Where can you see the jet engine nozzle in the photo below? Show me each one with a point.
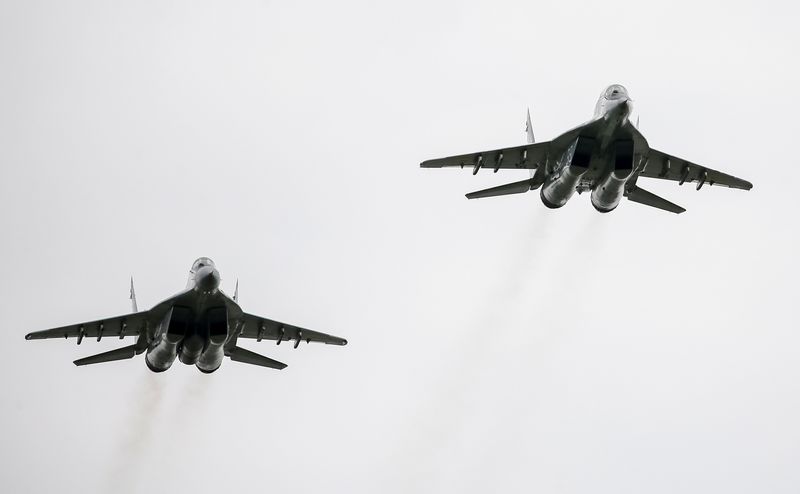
(607, 195)
(161, 357)
(211, 359)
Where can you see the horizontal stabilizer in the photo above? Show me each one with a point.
(649, 199)
(239, 354)
(502, 190)
(123, 353)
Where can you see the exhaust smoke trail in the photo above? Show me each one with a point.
(426, 439)
(137, 434)
(187, 416)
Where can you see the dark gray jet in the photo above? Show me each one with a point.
(199, 326)
(606, 156)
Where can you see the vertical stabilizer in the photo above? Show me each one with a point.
(529, 129)
(133, 298)
(236, 292)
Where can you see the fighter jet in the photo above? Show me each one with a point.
(605, 156)
(199, 326)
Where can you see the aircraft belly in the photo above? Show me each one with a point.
(194, 330)
(217, 324)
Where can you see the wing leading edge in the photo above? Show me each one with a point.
(120, 326)
(664, 166)
(527, 157)
(261, 328)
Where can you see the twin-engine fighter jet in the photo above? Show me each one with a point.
(606, 156)
(199, 326)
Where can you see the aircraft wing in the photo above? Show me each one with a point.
(528, 157)
(662, 165)
(120, 326)
(262, 328)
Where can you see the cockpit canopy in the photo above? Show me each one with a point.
(615, 91)
(201, 262)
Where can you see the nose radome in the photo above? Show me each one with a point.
(207, 278)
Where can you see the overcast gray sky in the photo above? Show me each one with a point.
(495, 345)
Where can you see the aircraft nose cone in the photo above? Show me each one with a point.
(207, 278)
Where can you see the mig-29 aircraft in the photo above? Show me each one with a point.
(606, 156)
(199, 326)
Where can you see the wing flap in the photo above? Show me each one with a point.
(664, 166)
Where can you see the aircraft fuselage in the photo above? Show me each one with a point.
(600, 159)
(195, 328)
(199, 326)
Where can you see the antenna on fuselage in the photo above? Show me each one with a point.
(133, 298)
(236, 291)
(529, 128)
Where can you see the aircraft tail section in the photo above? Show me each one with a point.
(529, 129)
(239, 354)
(502, 190)
(134, 307)
(123, 353)
(637, 194)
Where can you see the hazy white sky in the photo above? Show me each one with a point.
(495, 345)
